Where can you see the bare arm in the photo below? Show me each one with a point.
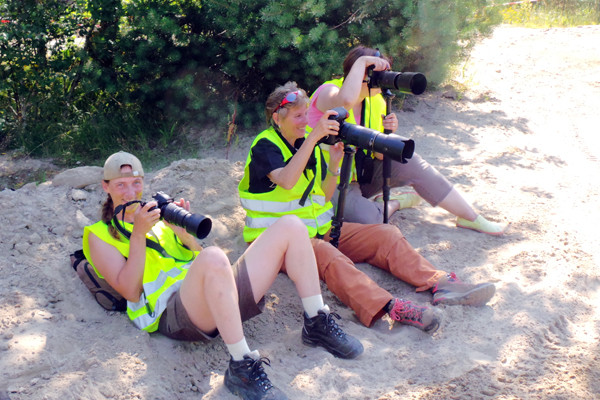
(349, 94)
(125, 274)
(336, 152)
(288, 176)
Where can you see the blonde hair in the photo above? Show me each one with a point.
(277, 96)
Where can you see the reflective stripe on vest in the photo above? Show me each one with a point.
(162, 275)
(264, 209)
(265, 222)
(278, 206)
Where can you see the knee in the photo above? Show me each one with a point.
(389, 232)
(212, 262)
(292, 225)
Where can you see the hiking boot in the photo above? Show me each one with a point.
(248, 379)
(421, 317)
(322, 330)
(451, 291)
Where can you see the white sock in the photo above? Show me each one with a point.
(238, 350)
(312, 305)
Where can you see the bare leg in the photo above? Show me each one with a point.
(392, 207)
(467, 217)
(455, 204)
(209, 295)
(284, 244)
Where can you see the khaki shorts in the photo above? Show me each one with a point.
(176, 324)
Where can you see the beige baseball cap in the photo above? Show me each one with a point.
(113, 164)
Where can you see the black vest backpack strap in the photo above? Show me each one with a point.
(103, 293)
(363, 161)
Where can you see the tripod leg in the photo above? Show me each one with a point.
(345, 175)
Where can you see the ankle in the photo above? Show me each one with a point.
(389, 306)
(238, 350)
(312, 305)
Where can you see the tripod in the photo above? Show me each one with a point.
(387, 161)
(345, 174)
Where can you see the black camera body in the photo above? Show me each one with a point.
(392, 145)
(405, 82)
(195, 224)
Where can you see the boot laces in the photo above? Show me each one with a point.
(452, 278)
(258, 374)
(331, 326)
(405, 310)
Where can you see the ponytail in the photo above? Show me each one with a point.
(107, 216)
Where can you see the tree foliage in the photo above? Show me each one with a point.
(95, 75)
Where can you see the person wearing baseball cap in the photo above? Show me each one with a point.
(191, 293)
(113, 166)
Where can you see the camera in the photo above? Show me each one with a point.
(405, 82)
(195, 224)
(391, 145)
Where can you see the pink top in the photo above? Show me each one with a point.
(314, 114)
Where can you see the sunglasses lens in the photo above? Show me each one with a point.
(291, 97)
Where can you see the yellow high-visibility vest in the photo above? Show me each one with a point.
(263, 209)
(162, 275)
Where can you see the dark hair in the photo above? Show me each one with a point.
(107, 216)
(355, 54)
(277, 96)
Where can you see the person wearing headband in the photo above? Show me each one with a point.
(367, 107)
(191, 293)
(286, 174)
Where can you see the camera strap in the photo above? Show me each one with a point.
(149, 243)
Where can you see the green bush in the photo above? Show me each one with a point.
(91, 76)
(38, 81)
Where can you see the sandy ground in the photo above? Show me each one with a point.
(520, 143)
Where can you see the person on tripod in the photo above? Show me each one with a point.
(286, 174)
(368, 108)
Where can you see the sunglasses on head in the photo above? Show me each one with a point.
(289, 98)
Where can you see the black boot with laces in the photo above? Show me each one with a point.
(247, 379)
(322, 330)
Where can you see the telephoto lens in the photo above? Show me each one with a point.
(195, 224)
(405, 82)
(394, 146)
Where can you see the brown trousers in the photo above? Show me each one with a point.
(380, 245)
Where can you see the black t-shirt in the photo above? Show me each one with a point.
(266, 157)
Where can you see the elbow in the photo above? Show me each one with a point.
(129, 293)
(348, 103)
(286, 186)
(132, 297)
